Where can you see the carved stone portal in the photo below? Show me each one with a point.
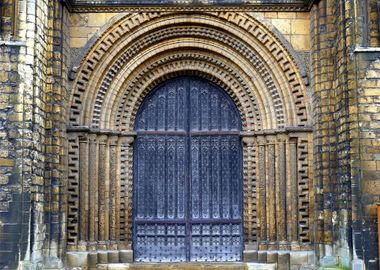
(260, 79)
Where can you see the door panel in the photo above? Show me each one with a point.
(215, 220)
(211, 109)
(216, 242)
(160, 225)
(188, 175)
(160, 169)
(215, 177)
(164, 110)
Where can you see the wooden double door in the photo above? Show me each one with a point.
(187, 175)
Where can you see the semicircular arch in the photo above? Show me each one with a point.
(262, 66)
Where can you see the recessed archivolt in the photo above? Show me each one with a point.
(239, 82)
(263, 81)
(250, 43)
(196, 35)
(128, 116)
(190, 63)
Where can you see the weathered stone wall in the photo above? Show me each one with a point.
(31, 122)
(57, 93)
(344, 88)
(294, 26)
(13, 220)
(366, 161)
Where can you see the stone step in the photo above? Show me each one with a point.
(187, 266)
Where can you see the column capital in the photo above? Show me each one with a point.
(249, 140)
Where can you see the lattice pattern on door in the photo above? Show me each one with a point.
(188, 175)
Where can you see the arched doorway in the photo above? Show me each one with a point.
(262, 77)
(188, 174)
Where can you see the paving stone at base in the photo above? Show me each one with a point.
(250, 255)
(272, 257)
(113, 266)
(299, 257)
(76, 259)
(102, 257)
(113, 256)
(92, 259)
(283, 261)
(126, 256)
(262, 266)
(262, 257)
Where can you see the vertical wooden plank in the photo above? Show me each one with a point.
(194, 108)
(195, 181)
(83, 184)
(93, 188)
(205, 181)
(182, 190)
(171, 167)
(235, 161)
(215, 176)
(226, 191)
(161, 174)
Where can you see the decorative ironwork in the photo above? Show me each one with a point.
(188, 175)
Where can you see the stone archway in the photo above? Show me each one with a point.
(235, 51)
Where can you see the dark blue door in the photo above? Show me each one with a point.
(188, 175)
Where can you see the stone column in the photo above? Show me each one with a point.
(281, 190)
(114, 176)
(270, 160)
(103, 183)
(127, 144)
(292, 191)
(93, 188)
(262, 191)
